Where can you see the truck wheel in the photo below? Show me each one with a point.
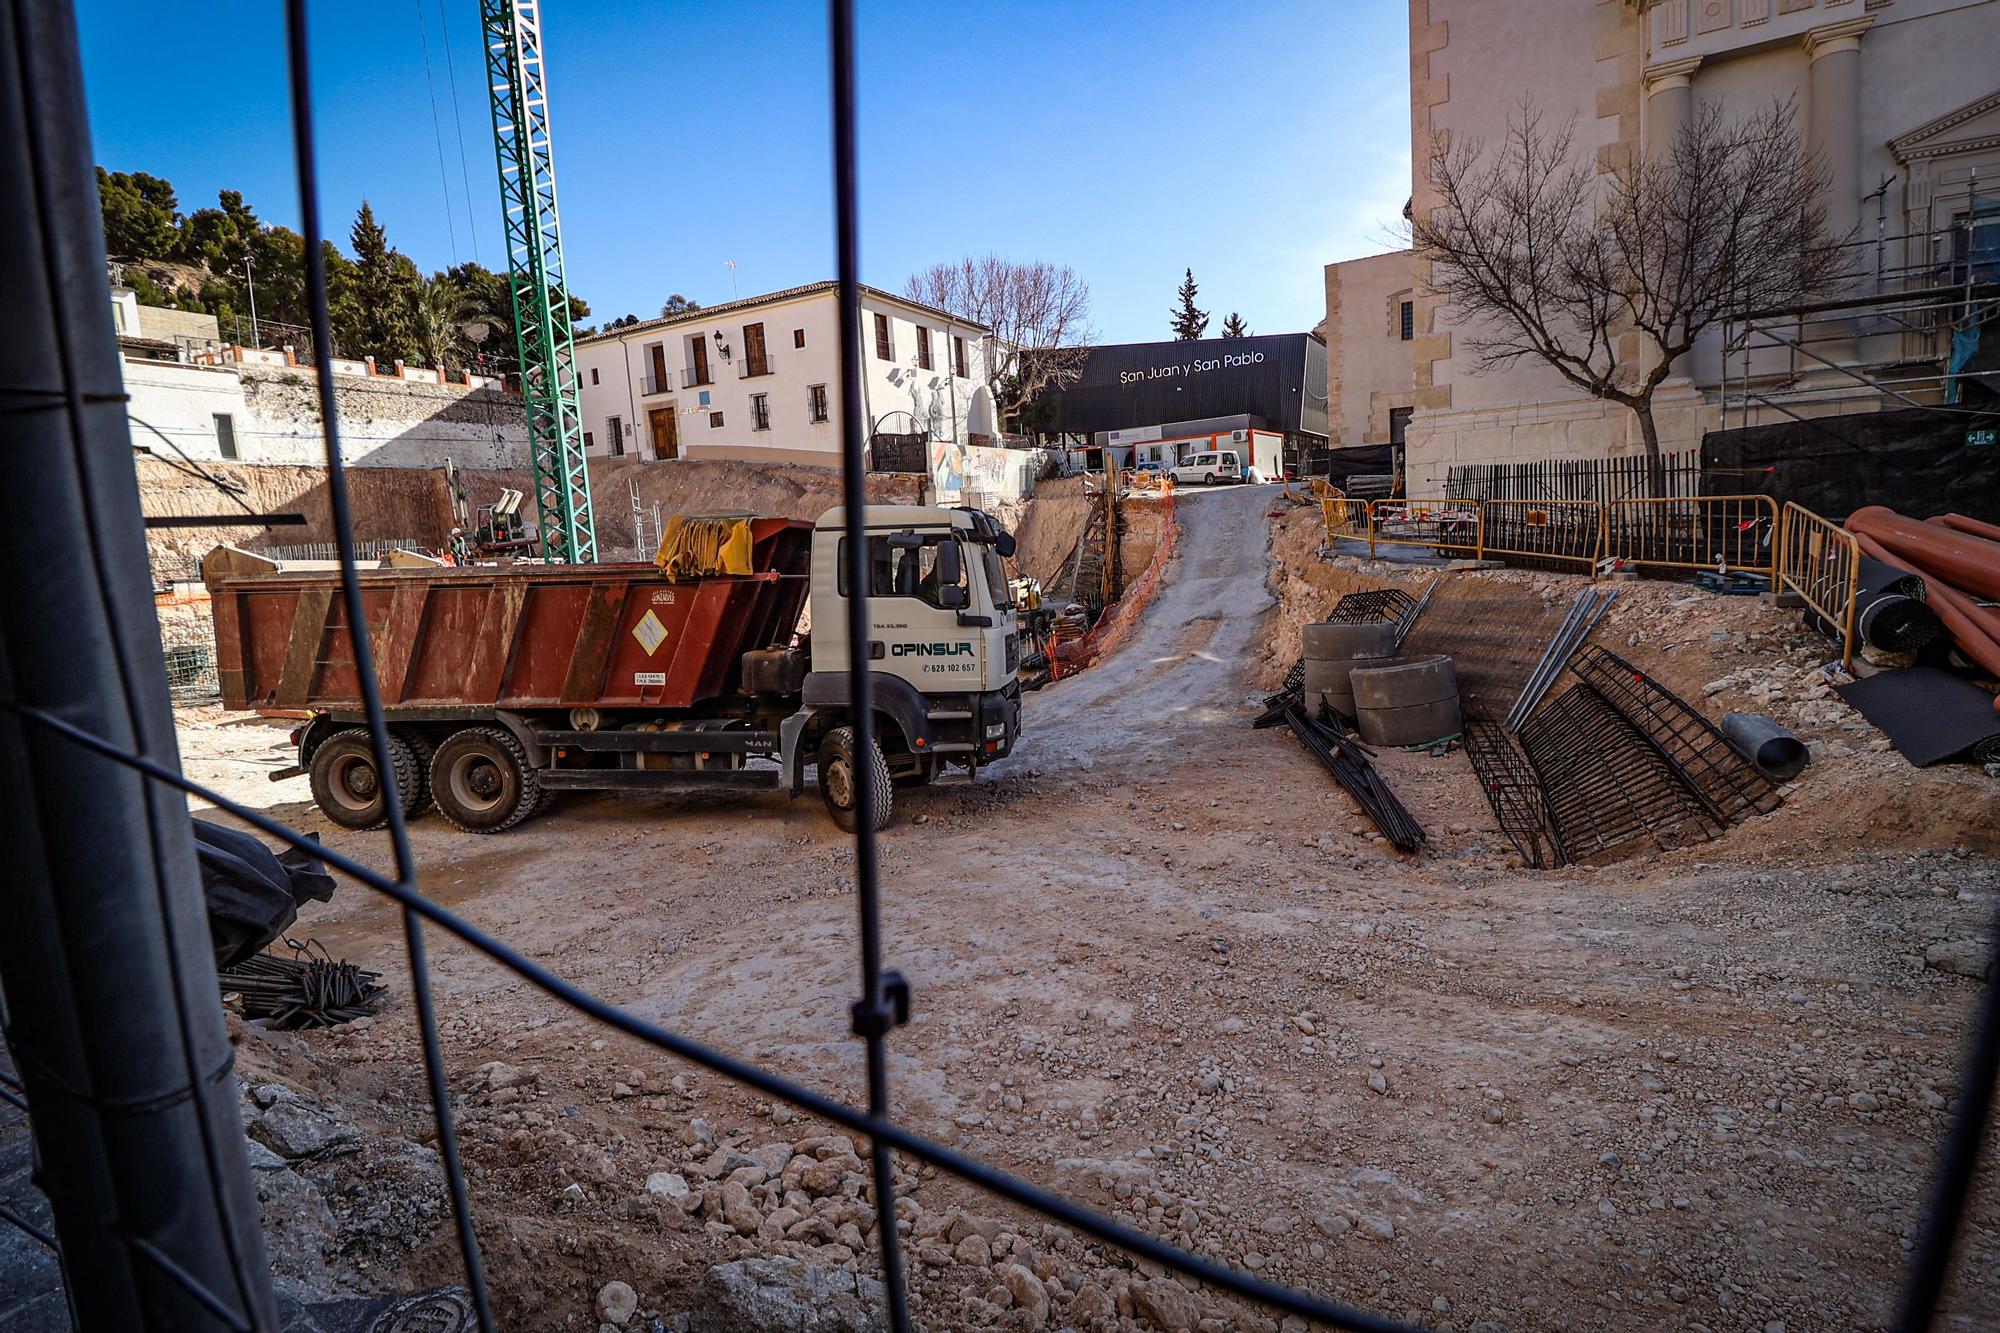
(417, 795)
(837, 781)
(482, 782)
(347, 786)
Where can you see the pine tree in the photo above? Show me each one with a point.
(380, 293)
(141, 217)
(1234, 327)
(1188, 321)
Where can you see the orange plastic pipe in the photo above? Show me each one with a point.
(1953, 607)
(1970, 564)
(1964, 524)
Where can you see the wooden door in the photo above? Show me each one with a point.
(666, 432)
(659, 359)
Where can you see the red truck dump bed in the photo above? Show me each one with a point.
(519, 636)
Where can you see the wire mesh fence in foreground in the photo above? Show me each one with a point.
(885, 999)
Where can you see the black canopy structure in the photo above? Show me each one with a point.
(1279, 378)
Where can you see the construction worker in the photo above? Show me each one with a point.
(461, 550)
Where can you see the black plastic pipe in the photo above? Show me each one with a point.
(112, 1008)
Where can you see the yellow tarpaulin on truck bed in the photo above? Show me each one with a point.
(693, 547)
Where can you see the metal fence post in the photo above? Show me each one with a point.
(111, 997)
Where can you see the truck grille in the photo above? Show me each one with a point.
(1013, 652)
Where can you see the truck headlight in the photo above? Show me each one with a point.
(996, 731)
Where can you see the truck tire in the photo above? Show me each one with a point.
(837, 785)
(346, 784)
(482, 781)
(416, 796)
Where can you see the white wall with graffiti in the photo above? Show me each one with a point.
(991, 474)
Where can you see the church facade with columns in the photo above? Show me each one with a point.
(1902, 99)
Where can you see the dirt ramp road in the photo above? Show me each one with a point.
(1183, 666)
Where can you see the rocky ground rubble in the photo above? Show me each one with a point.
(343, 1207)
(1170, 974)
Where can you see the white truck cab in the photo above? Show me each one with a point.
(943, 639)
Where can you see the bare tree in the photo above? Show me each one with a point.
(1539, 255)
(1039, 314)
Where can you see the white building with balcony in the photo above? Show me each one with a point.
(759, 379)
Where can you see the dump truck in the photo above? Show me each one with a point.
(506, 684)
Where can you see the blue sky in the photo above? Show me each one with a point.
(1254, 141)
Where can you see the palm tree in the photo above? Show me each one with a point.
(437, 311)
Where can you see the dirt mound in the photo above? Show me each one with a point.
(1051, 526)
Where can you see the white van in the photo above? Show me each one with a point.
(1209, 468)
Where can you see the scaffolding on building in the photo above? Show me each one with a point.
(1907, 336)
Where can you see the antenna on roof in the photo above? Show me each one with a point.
(730, 264)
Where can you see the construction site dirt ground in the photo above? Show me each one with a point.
(1158, 962)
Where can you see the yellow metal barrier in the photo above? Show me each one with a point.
(1570, 530)
(1695, 532)
(1821, 562)
(1444, 526)
(1345, 518)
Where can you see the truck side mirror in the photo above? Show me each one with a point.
(951, 597)
(950, 564)
(1004, 544)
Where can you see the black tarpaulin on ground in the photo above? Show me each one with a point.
(1928, 714)
(252, 893)
(1913, 461)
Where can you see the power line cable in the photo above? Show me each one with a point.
(437, 131)
(458, 123)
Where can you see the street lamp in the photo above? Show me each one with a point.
(250, 279)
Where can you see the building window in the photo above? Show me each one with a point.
(923, 348)
(1399, 423)
(715, 421)
(798, 337)
(614, 433)
(958, 357)
(756, 356)
(760, 411)
(816, 403)
(884, 349)
(1408, 315)
(589, 442)
(593, 374)
(697, 368)
(225, 434)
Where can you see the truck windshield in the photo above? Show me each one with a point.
(904, 572)
(997, 587)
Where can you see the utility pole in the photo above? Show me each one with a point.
(110, 991)
(1109, 588)
(250, 280)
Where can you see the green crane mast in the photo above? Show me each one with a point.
(517, 79)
